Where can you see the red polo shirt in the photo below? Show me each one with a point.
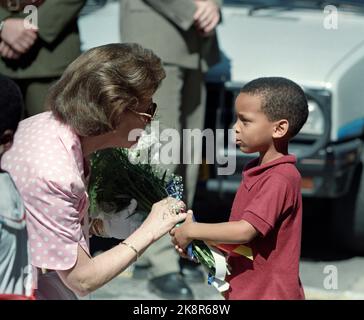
(269, 198)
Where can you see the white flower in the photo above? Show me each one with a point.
(142, 151)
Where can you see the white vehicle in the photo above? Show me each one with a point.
(319, 47)
(322, 49)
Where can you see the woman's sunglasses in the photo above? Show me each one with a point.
(149, 115)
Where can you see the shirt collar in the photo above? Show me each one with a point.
(252, 172)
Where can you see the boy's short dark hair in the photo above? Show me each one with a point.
(11, 105)
(281, 99)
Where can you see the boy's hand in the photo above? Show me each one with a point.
(182, 253)
(180, 237)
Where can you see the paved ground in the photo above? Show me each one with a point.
(326, 271)
(350, 284)
(125, 288)
(350, 279)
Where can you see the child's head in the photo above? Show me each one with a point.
(269, 110)
(11, 104)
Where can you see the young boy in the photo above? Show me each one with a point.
(15, 268)
(267, 211)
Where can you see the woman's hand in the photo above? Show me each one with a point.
(164, 215)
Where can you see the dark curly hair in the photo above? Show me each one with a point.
(281, 99)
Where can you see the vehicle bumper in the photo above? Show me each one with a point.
(328, 174)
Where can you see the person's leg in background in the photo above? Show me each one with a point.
(193, 117)
(34, 94)
(161, 260)
(167, 97)
(181, 105)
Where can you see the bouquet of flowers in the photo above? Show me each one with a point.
(119, 175)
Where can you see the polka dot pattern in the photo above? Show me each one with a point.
(46, 164)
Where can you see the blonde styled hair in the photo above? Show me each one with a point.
(101, 83)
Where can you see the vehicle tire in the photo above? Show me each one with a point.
(348, 214)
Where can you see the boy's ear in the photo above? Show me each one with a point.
(6, 140)
(280, 128)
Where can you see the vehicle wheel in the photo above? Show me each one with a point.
(348, 214)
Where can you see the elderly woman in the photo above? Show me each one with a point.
(101, 97)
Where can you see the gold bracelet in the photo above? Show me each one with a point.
(132, 248)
